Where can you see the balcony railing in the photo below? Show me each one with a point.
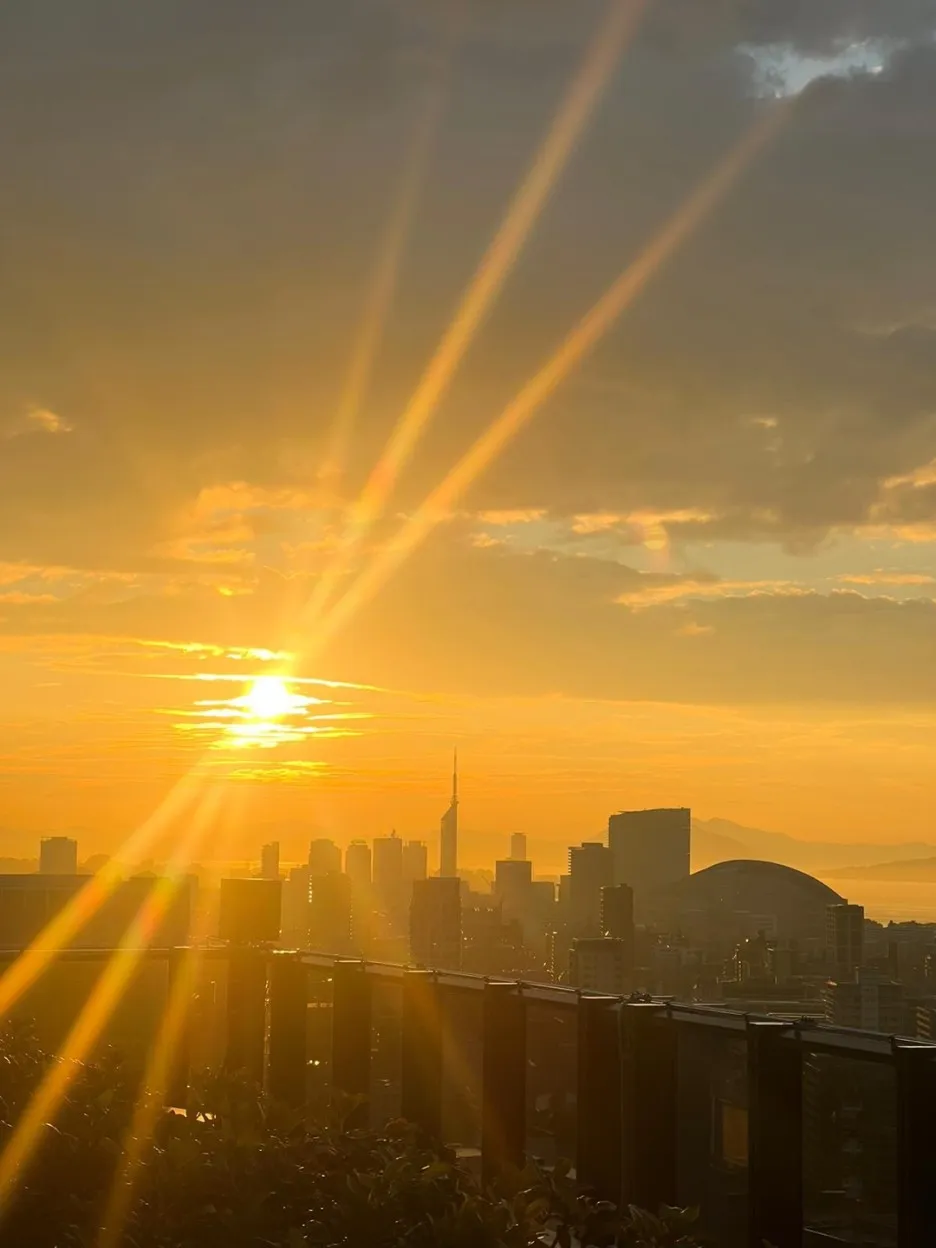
(782, 1133)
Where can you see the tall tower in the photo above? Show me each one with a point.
(448, 859)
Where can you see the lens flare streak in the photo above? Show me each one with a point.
(574, 114)
(579, 343)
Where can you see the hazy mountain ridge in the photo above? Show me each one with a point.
(717, 840)
(907, 871)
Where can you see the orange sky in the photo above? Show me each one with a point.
(699, 571)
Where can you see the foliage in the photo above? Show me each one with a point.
(236, 1171)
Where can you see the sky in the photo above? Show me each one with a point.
(696, 566)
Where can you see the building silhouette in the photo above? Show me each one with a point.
(58, 855)
(867, 1001)
(330, 912)
(601, 964)
(617, 911)
(448, 856)
(518, 846)
(436, 923)
(591, 868)
(415, 861)
(389, 893)
(650, 848)
(29, 902)
(270, 861)
(358, 864)
(250, 911)
(324, 857)
(295, 908)
(845, 939)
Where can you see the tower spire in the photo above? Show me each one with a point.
(455, 778)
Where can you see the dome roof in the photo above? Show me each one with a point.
(794, 901)
(744, 871)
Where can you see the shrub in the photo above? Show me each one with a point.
(238, 1172)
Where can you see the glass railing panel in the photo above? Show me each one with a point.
(319, 1022)
(462, 1051)
(386, 1050)
(712, 1130)
(850, 1149)
(552, 1080)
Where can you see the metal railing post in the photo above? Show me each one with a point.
(503, 1078)
(421, 1064)
(351, 1033)
(598, 1162)
(648, 1104)
(916, 1145)
(246, 1012)
(286, 1054)
(775, 1135)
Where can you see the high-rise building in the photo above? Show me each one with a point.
(448, 857)
(650, 848)
(845, 939)
(591, 868)
(617, 911)
(29, 902)
(415, 861)
(518, 846)
(250, 911)
(269, 861)
(513, 885)
(324, 858)
(436, 923)
(330, 913)
(358, 864)
(58, 855)
(389, 894)
(601, 964)
(867, 1001)
(295, 908)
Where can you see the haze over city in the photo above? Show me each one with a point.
(467, 616)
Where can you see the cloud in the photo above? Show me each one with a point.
(882, 577)
(660, 594)
(37, 420)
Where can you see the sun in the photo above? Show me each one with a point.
(269, 698)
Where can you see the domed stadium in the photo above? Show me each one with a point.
(746, 893)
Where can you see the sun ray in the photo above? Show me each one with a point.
(392, 250)
(72, 918)
(158, 1073)
(576, 346)
(577, 108)
(99, 1007)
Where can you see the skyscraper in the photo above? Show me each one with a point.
(358, 864)
(435, 923)
(269, 861)
(845, 940)
(58, 855)
(448, 858)
(591, 868)
(617, 912)
(324, 857)
(330, 913)
(518, 847)
(388, 874)
(650, 848)
(415, 861)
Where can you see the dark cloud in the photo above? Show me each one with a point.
(194, 192)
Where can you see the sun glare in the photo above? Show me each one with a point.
(269, 698)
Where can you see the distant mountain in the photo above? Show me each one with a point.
(716, 840)
(912, 870)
